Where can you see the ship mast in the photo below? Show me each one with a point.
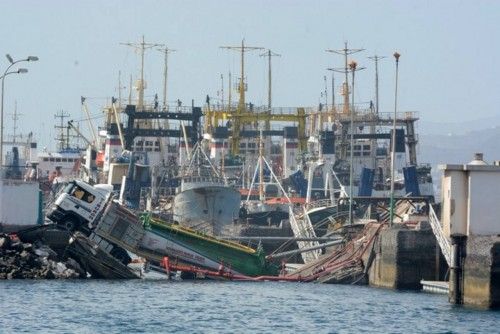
(241, 104)
(165, 51)
(346, 52)
(15, 118)
(242, 49)
(229, 93)
(222, 89)
(269, 54)
(120, 87)
(63, 139)
(142, 47)
(376, 58)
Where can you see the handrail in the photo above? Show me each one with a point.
(319, 203)
(302, 228)
(438, 232)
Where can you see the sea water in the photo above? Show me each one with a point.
(145, 306)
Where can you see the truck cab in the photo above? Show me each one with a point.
(79, 205)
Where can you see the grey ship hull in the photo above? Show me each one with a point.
(208, 209)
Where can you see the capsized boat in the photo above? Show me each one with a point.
(155, 239)
(192, 247)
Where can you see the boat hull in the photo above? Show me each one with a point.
(188, 246)
(208, 209)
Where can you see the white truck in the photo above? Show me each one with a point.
(79, 205)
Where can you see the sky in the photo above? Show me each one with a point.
(448, 69)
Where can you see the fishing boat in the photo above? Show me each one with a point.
(204, 201)
(155, 239)
(192, 247)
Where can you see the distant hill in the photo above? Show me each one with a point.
(456, 143)
(449, 147)
(456, 128)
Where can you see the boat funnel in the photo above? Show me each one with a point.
(478, 159)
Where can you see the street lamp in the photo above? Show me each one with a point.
(393, 148)
(5, 73)
(353, 67)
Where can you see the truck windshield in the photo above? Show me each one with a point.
(68, 188)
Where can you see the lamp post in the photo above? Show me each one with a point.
(353, 67)
(393, 148)
(5, 73)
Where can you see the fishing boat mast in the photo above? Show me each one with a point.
(376, 58)
(165, 50)
(142, 47)
(269, 54)
(241, 104)
(345, 52)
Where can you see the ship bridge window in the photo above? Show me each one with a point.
(64, 160)
(58, 159)
(366, 153)
(366, 147)
(45, 159)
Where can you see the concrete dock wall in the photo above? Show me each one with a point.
(482, 272)
(403, 257)
(19, 204)
(470, 213)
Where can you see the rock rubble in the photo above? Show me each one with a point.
(34, 261)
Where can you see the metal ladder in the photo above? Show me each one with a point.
(444, 244)
(302, 228)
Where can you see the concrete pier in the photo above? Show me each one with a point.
(481, 286)
(470, 217)
(404, 257)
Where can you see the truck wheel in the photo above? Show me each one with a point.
(69, 224)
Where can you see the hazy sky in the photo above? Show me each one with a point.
(448, 69)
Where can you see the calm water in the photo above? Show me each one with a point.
(228, 307)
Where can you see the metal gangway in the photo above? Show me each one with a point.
(444, 244)
(302, 228)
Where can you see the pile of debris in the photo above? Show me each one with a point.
(347, 265)
(26, 260)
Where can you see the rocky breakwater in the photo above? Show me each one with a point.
(34, 261)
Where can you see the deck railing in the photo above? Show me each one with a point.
(302, 228)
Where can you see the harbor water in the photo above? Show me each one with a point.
(95, 306)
